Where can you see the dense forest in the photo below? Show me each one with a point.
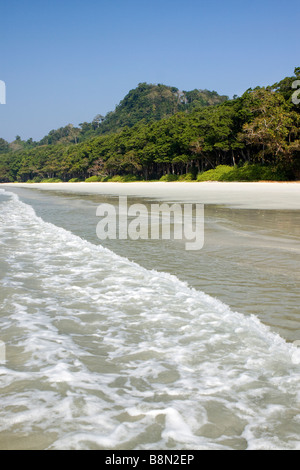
(159, 132)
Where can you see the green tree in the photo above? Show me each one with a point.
(272, 126)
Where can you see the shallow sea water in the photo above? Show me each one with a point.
(144, 345)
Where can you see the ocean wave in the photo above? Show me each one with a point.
(103, 353)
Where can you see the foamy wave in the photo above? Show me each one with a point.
(102, 353)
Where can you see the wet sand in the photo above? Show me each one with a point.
(257, 195)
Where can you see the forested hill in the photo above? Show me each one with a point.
(145, 103)
(159, 132)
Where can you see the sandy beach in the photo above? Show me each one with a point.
(260, 195)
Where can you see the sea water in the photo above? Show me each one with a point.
(103, 353)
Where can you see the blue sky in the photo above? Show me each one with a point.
(66, 61)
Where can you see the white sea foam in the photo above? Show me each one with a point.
(102, 353)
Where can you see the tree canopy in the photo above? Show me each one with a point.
(158, 130)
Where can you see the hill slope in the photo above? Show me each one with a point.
(154, 102)
(145, 103)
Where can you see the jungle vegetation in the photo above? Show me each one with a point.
(159, 132)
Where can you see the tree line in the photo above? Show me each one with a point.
(260, 127)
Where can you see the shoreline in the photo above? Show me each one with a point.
(245, 195)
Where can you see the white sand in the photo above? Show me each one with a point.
(262, 195)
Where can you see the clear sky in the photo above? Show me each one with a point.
(64, 61)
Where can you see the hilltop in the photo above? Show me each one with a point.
(149, 103)
(145, 103)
